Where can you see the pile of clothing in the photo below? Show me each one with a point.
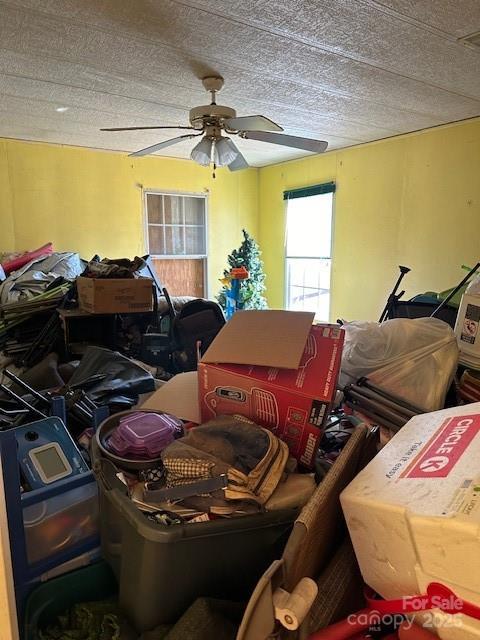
(119, 268)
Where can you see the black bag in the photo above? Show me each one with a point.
(194, 329)
(111, 377)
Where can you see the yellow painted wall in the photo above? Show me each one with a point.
(412, 200)
(91, 201)
(7, 238)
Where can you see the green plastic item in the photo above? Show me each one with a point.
(457, 298)
(47, 601)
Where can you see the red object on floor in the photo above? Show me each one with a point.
(20, 261)
(414, 632)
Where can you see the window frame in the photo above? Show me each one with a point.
(286, 257)
(204, 257)
(146, 224)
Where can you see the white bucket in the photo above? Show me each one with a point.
(467, 328)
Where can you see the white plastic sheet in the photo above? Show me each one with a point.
(412, 359)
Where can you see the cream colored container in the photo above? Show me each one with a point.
(414, 514)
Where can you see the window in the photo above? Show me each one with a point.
(176, 238)
(309, 249)
(176, 225)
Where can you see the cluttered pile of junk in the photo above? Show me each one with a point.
(170, 475)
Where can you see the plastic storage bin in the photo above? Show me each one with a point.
(52, 598)
(45, 525)
(161, 570)
(60, 522)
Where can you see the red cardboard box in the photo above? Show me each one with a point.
(290, 386)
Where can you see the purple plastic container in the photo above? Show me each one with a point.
(142, 435)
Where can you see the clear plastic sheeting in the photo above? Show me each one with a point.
(412, 359)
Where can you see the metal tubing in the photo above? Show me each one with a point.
(21, 401)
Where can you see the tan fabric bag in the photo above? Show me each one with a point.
(252, 459)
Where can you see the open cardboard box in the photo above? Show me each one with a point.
(274, 367)
(115, 295)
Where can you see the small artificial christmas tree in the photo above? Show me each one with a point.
(251, 289)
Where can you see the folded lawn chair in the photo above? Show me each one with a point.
(313, 583)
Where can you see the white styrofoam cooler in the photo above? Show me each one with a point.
(414, 513)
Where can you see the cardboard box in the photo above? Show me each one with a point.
(178, 396)
(108, 295)
(414, 514)
(277, 369)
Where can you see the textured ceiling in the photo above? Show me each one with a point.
(345, 71)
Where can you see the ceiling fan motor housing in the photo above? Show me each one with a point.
(210, 115)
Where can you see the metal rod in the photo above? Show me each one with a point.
(38, 396)
(89, 402)
(365, 382)
(372, 395)
(392, 296)
(456, 290)
(378, 408)
(81, 412)
(380, 420)
(13, 412)
(21, 401)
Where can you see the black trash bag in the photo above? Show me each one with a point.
(106, 375)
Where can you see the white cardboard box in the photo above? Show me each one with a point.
(414, 513)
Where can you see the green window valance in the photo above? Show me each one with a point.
(315, 190)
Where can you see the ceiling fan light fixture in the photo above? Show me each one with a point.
(210, 121)
(202, 152)
(225, 152)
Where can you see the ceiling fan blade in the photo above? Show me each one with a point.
(163, 145)
(239, 162)
(307, 144)
(252, 123)
(141, 128)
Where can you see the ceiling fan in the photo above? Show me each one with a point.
(210, 122)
